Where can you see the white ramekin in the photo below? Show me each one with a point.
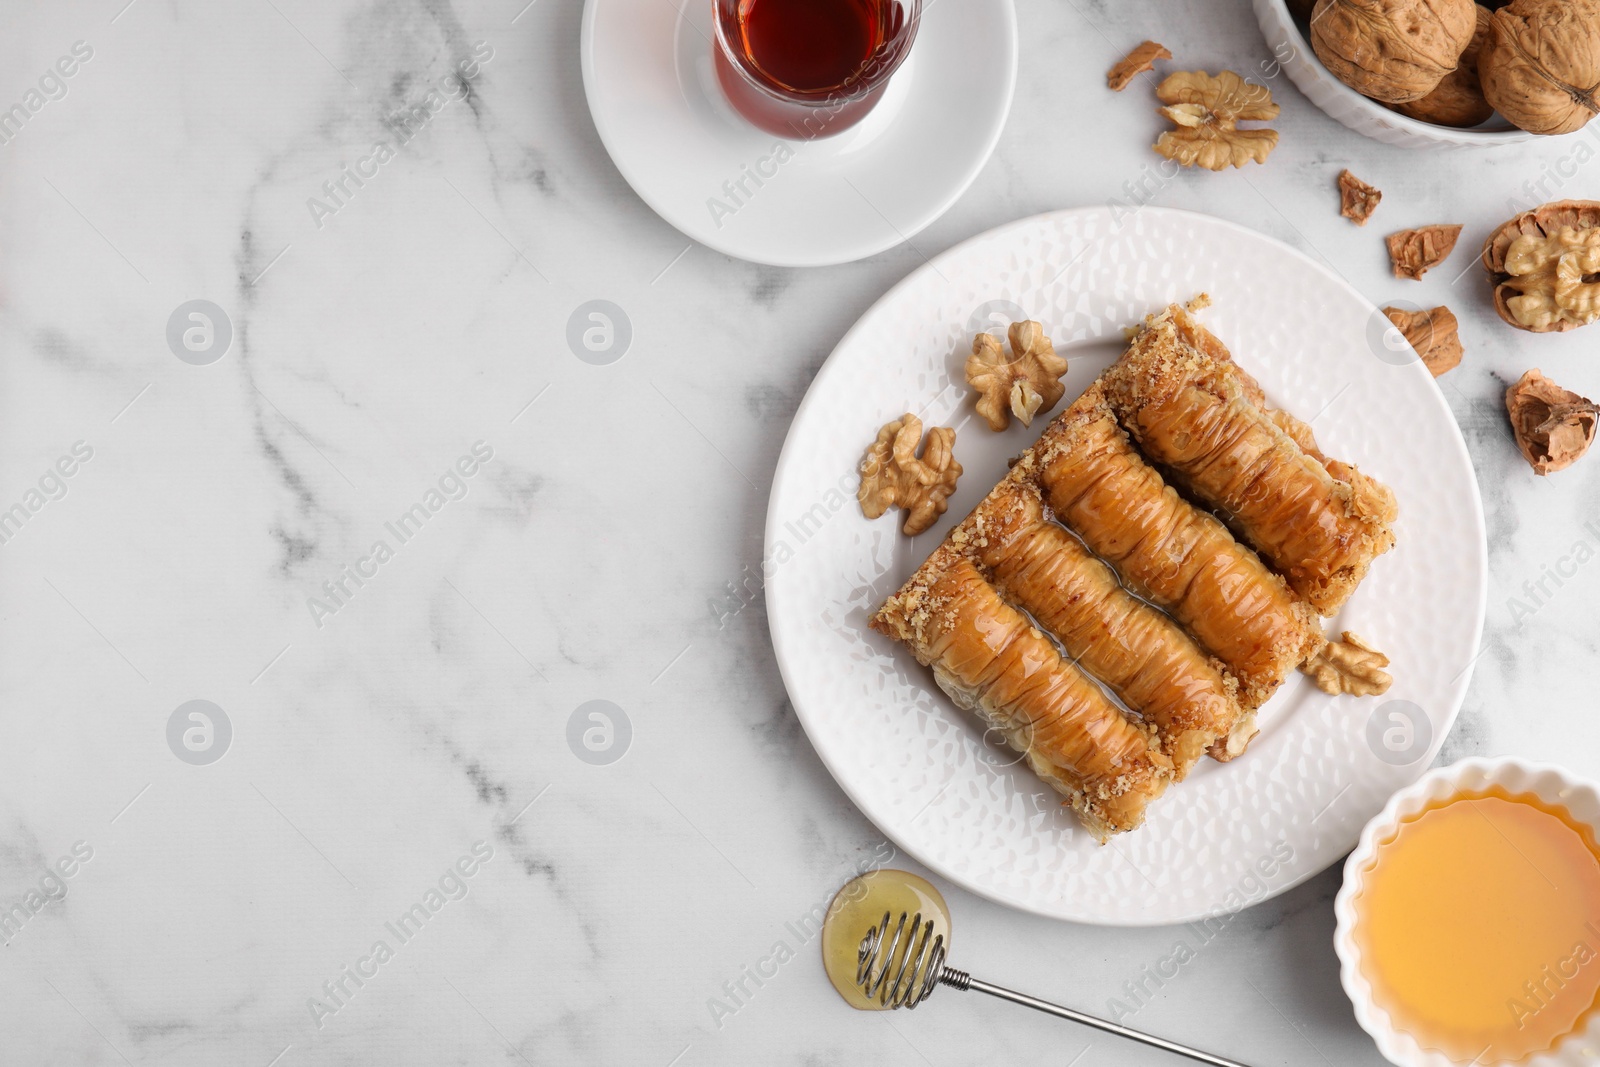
(1292, 52)
(1550, 784)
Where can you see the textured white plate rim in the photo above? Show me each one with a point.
(834, 364)
(1477, 771)
(846, 252)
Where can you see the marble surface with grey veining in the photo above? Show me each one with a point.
(397, 766)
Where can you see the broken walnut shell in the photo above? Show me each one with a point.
(1540, 67)
(1393, 51)
(1434, 334)
(1543, 264)
(1357, 199)
(1553, 426)
(1206, 111)
(1415, 252)
(1135, 63)
(893, 475)
(1023, 384)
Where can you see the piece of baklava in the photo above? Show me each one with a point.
(1191, 413)
(1168, 551)
(1137, 651)
(991, 660)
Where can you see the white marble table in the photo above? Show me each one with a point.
(227, 912)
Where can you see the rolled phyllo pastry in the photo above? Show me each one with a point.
(1374, 498)
(1192, 416)
(1168, 551)
(991, 660)
(1139, 653)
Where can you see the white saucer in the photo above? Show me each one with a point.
(652, 88)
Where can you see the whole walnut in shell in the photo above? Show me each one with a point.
(1544, 264)
(1392, 50)
(1540, 67)
(1458, 98)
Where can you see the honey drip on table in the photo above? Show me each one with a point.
(859, 906)
(1478, 924)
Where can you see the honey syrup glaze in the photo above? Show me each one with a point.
(1478, 926)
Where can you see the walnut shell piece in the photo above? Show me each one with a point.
(1135, 63)
(1553, 426)
(1458, 98)
(1349, 665)
(1394, 51)
(1434, 334)
(1415, 252)
(1543, 264)
(1357, 199)
(893, 475)
(1540, 67)
(1023, 384)
(1207, 110)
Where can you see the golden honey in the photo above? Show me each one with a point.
(1478, 925)
(860, 905)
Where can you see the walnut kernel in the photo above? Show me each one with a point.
(1349, 665)
(1544, 263)
(893, 475)
(1022, 385)
(1207, 111)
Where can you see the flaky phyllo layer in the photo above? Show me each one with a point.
(1116, 629)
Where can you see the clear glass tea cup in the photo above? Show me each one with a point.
(804, 69)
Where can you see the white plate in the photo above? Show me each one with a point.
(652, 88)
(920, 769)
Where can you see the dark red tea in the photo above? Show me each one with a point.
(810, 45)
(808, 68)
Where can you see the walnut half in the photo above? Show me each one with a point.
(1553, 426)
(1207, 111)
(1349, 665)
(893, 475)
(1544, 265)
(1024, 384)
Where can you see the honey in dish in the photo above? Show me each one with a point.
(859, 906)
(1478, 924)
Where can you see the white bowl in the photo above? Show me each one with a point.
(1551, 784)
(1292, 52)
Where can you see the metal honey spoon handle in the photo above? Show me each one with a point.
(903, 975)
